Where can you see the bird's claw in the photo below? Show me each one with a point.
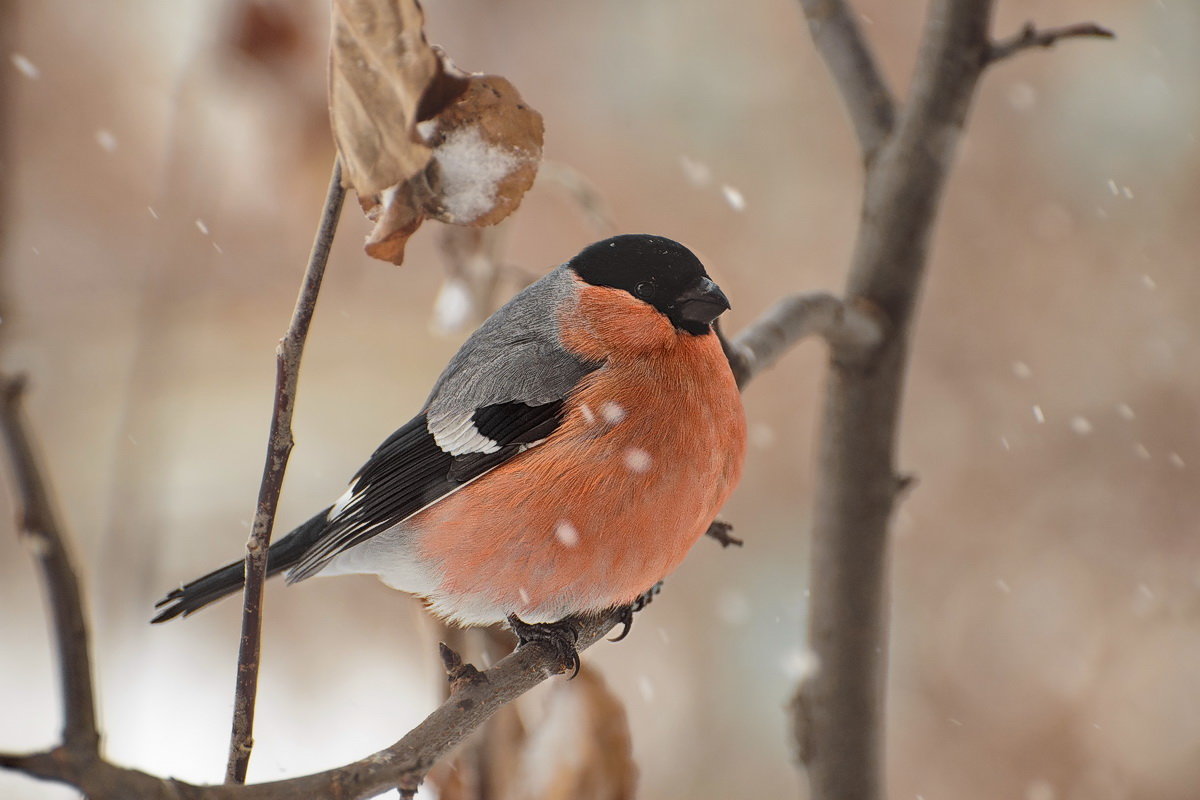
(625, 613)
(561, 637)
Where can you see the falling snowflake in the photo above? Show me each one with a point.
(566, 533)
(637, 460)
(736, 200)
(25, 66)
(697, 173)
(612, 412)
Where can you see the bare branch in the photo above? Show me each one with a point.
(39, 525)
(866, 96)
(279, 448)
(852, 332)
(1030, 37)
(838, 712)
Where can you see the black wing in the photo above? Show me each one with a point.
(411, 471)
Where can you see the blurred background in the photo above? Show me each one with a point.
(163, 171)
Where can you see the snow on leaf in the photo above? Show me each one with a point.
(416, 136)
(486, 149)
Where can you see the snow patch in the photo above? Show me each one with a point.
(471, 171)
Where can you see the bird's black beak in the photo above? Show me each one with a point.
(702, 303)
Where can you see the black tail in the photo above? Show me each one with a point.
(283, 554)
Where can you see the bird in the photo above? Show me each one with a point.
(573, 450)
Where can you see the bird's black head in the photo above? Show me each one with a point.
(658, 271)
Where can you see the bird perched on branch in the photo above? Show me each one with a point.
(571, 453)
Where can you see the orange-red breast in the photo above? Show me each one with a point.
(574, 449)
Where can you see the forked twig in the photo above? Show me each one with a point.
(39, 525)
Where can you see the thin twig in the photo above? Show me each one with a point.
(864, 92)
(39, 525)
(279, 447)
(1030, 37)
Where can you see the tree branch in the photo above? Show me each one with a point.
(402, 766)
(39, 525)
(852, 332)
(865, 94)
(279, 448)
(837, 713)
(1030, 37)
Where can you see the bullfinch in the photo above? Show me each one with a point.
(571, 453)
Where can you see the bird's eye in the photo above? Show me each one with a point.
(644, 289)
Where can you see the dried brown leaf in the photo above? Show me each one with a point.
(487, 145)
(397, 215)
(582, 749)
(380, 68)
(417, 137)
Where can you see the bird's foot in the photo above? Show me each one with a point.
(561, 637)
(625, 613)
(721, 531)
